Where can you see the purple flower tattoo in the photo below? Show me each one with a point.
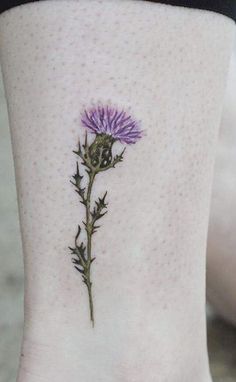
(117, 124)
(109, 125)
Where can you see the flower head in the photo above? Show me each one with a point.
(113, 122)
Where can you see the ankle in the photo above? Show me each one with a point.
(65, 353)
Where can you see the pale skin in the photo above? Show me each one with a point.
(169, 66)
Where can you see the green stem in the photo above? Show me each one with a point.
(89, 286)
(89, 244)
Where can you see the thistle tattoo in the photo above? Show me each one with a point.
(108, 125)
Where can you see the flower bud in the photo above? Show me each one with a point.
(100, 151)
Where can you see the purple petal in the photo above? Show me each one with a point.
(109, 120)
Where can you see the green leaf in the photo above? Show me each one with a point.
(99, 210)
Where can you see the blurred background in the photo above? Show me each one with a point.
(221, 335)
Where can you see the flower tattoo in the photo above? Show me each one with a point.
(108, 125)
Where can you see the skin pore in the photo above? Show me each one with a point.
(167, 66)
